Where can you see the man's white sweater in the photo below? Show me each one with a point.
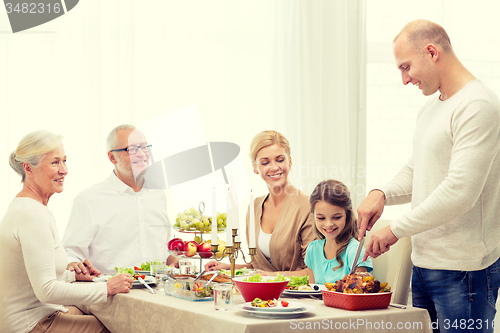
(453, 182)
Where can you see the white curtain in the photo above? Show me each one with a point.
(294, 66)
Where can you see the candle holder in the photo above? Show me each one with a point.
(233, 252)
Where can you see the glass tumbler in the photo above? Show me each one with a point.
(223, 296)
(160, 273)
(186, 267)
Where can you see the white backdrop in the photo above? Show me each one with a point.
(294, 66)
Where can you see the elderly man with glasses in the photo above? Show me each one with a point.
(118, 222)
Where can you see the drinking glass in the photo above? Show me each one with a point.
(160, 273)
(168, 286)
(223, 296)
(153, 263)
(186, 267)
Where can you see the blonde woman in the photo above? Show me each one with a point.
(284, 226)
(37, 283)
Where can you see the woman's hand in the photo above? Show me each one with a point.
(84, 271)
(216, 265)
(120, 283)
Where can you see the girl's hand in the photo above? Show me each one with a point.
(361, 269)
(214, 265)
(173, 261)
(120, 283)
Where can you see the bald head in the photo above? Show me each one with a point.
(420, 33)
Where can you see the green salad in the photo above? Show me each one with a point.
(125, 269)
(258, 278)
(146, 266)
(295, 281)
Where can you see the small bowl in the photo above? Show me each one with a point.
(356, 301)
(262, 290)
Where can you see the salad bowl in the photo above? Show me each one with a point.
(263, 287)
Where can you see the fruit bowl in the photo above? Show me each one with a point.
(194, 221)
(262, 290)
(187, 254)
(194, 230)
(356, 301)
(191, 249)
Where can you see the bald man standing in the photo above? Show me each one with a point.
(452, 180)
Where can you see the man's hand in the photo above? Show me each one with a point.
(379, 243)
(369, 211)
(84, 271)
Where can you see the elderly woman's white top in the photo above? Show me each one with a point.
(34, 279)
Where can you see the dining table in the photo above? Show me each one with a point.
(143, 312)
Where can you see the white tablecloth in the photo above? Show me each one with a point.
(140, 311)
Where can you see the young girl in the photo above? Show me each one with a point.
(330, 258)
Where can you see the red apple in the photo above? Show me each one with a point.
(177, 246)
(190, 248)
(172, 241)
(205, 250)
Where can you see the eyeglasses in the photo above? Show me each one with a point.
(132, 150)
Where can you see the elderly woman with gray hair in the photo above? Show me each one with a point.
(36, 285)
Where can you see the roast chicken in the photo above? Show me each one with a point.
(358, 283)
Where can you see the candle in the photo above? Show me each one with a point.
(229, 215)
(251, 234)
(214, 218)
(234, 200)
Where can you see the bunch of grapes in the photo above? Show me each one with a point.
(192, 220)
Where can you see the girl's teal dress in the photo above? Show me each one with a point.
(323, 268)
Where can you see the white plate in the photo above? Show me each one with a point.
(102, 278)
(305, 292)
(148, 279)
(292, 307)
(275, 315)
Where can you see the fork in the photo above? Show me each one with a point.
(213, 277)
(146, 285)
(199, 276)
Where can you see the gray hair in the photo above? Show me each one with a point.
(32, 148)
(112, 141)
